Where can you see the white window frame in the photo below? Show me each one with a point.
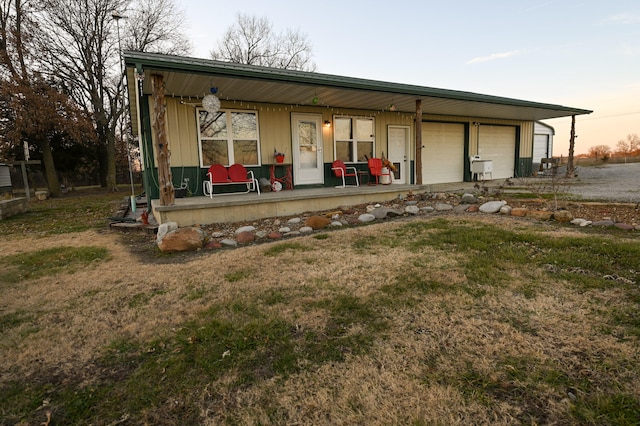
(230, 139)
(353, 139)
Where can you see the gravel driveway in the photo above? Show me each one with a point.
(608, 182)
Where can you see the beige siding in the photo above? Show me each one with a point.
(275, 129)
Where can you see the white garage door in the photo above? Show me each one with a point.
(443, 153)
(498, 143)
(540, 148)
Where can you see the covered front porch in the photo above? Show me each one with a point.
(246, 207)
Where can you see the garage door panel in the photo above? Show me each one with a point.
(498, 143)
(443, 153)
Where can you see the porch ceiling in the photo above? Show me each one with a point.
(192, 78)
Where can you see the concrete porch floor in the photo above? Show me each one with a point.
(246, 207)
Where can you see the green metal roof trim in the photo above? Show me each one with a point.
(210, 67)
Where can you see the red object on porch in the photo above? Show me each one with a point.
(342, 171)
(286, 180)
(279, 158)
(375, 169)
(218, 173)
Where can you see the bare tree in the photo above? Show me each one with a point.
(251, 40)
(628, 147)
(81, 49)
(32, 109)
(601, 151)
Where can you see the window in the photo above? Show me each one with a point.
(354, 138)
(228, 137)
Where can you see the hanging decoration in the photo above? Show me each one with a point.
(210, 102)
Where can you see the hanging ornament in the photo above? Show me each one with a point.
(315, 100)
(211, 103)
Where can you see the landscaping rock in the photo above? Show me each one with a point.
(468, 199)
(366, 217)
(380, 212)
(274, 235)
(284, 229)
(412, 209)
(245, 237)
(492, 206)
(474, 208)
(306, 229)
(607, 222)
(519, 211)
(212, 245)
(229, 242)
(164, 229)
(505, 210)
(442, 207)
(183, 239)
(336, 223)
(563, 216)
(428, 209)
(248, 228)
(317, 222)
(624, 226)
(294, 220)
(540, 214)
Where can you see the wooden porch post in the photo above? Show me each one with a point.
(165, 183)
(418, 142)
(572, 144)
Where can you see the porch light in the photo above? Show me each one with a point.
(327, 124)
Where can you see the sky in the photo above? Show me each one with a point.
(577, 53)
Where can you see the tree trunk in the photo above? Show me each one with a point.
(572, 145)
(165, 182)
(53, 184)
(418, 142)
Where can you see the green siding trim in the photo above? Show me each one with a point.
(524, 167)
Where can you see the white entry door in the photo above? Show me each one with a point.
(398, 146)
(306, 131)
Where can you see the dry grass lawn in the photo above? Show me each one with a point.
(447, 320)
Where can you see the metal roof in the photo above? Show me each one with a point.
(193, 77)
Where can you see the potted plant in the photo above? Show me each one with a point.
(279, 156)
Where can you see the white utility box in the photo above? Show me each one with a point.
(481, 168)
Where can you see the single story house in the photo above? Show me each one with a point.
(250, 112)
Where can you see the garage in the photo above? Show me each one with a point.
(498, 143)
(443, 152)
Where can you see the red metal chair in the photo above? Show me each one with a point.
(342, 171)
(239, 174)
(375, 169)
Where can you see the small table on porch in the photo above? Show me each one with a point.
(286, 179)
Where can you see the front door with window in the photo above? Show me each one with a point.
(306, 131)
(398, 143)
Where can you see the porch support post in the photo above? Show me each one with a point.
(572, 144)
(419, 142)
(165, 182)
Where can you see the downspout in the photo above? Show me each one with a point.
(418, 142)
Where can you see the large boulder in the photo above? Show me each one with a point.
(183, 239)
(563, 216)
(164, 229)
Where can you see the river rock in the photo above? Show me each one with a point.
(443, 207)
(540, 214)
(242, 229)
(505, 210)
(245, 237)
(468, 199)
(366, 217)
(412, 209)
(492, 206)
(306, 229)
